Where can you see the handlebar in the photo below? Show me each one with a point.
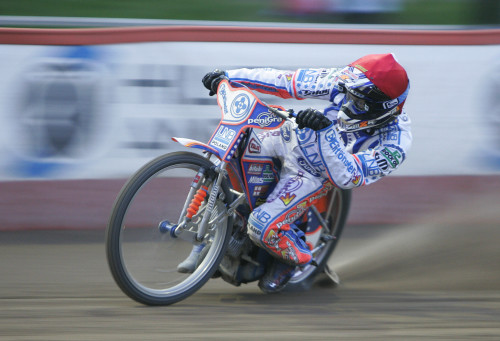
(286, 115)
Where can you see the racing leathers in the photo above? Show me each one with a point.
(314, 161)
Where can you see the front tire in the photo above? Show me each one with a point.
(143, 260)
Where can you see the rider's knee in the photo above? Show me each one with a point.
(254, 233)
(256, 226)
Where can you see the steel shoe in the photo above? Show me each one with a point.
(277, 277)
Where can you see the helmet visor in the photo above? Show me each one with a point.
(364, 103)
(360, 108)
(358, 104)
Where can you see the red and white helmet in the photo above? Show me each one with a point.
(376, 95)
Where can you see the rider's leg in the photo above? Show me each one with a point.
(188, 265)
(271, 226)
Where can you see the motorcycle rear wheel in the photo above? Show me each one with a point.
(339, 203)
(142, 257)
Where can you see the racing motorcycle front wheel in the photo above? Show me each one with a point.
(142, 254)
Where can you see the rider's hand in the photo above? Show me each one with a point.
(312, 118)
(212, 79)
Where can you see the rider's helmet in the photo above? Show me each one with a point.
(375, 94)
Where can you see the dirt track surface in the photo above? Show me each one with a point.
(437, 279)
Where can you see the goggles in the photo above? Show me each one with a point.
(359, 107)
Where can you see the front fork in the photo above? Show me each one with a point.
(202, 228)
(183, 229)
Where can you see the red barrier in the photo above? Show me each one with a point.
(97, 36)
(80, 204)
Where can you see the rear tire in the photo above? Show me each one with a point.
(340, 201)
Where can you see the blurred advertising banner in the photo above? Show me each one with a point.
(101, 111)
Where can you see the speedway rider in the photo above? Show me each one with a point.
(362, 136)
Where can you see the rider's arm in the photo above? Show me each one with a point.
(347, 170)
(299, 84)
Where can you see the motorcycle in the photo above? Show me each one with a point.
(152, 229)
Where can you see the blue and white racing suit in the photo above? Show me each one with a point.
(314, 161)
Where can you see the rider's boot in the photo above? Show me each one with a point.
(189, 264)
(277, 277)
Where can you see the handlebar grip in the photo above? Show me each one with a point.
(286, 115)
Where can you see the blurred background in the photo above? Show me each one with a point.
(76, 121)
(402, 12)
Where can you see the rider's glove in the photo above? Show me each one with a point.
(312, 118)
(212, 79)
